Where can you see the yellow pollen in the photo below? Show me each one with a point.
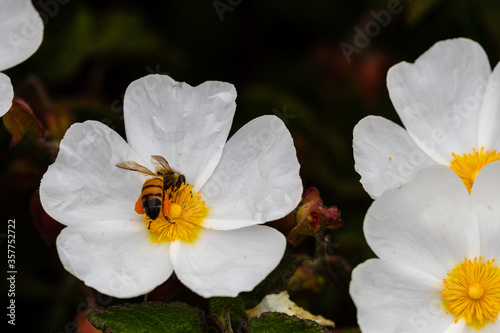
(472, 292)
(183, 218)
(468, 166)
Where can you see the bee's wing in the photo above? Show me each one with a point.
(161, 164)
(134, 166)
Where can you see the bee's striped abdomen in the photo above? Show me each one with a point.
(152, 197)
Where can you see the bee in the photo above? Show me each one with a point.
(152, 194)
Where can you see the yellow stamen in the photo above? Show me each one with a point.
(184, 213)
(472, 292)
(468, 166)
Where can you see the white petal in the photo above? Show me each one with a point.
(438, 98)
(385, 155)
(489, 121)
(392, 297)
(257, 179)
(459, 327)
(6, 94)
(428, 224)
(486, 197)
(21, 32)
(84, 184)
(186, 125)
(225, 263)
(116, 258)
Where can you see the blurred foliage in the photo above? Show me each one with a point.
(283, 58)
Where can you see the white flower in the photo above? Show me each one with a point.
(215, 246)
(439, 256)
(21, 32)
(448, 101)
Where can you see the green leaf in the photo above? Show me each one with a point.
(224, 306)
(272, 322)
(274, 282)
(149, 317)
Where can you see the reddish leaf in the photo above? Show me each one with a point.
(20, 120)
(83, 325)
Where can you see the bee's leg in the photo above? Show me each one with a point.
(149, 226)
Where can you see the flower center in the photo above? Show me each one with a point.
(182, 214)
(472, 292)
(175, 211)
(468, 166)
(476, 291)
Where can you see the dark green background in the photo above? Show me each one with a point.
(280, 55)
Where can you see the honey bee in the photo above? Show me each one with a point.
(152, 194)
